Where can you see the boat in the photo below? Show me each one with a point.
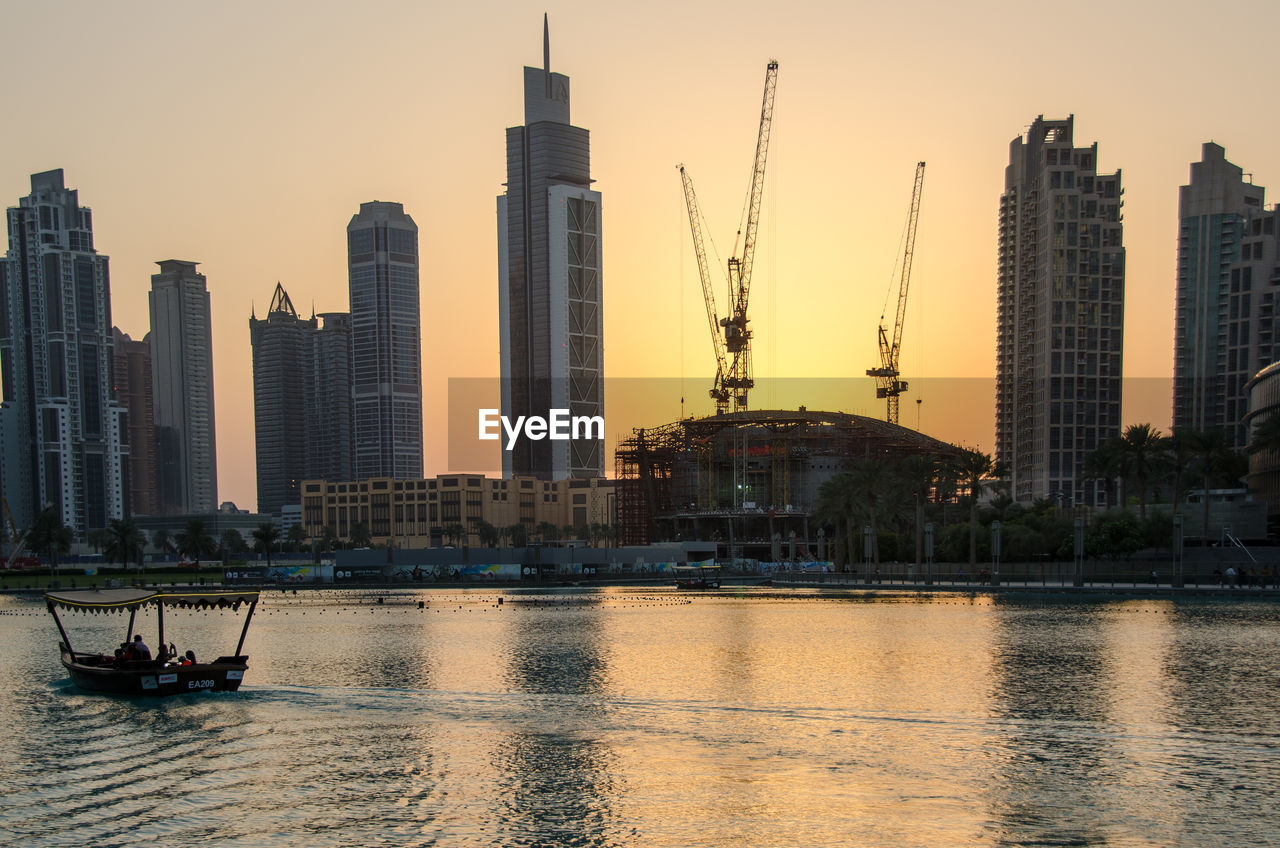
(107, 673)
(697, 576)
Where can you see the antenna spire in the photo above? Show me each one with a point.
(546, 44)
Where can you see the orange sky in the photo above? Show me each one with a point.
(245, 135)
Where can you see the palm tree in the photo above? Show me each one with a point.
(1180, 456)
(297, 536)
(1143, 446)
(487, 534)
(360, 537)
(232, 542)
(1216, 462)
(265, 538)
(519, 535)
(123, 540)
(547, 531)
(160, 540)
(974, 468)
(1266, 435)
(48, 535)
(453, 532)
(1107, 462)
(194, 541)
(834, 509)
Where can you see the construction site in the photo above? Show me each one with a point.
(750, 478)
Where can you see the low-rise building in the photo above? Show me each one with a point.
(422, 512)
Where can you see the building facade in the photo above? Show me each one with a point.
(302, 400)
(414, 513)
(182, 385)
(134, 392)
(280, 345)
(327, 397)
(62, 431)
(1225, 329)
(1060, 314)
(386, 346)
(550, 293)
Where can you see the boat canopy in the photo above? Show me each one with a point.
(111, 600)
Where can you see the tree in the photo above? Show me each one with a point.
(49, 536)
(297, 536)
(1266, 435)
(519, 535)
(1216, 462)
(124, 539)
(160, 540)
(974, 467)
(265, 538)
(233, 543)
(487, 534)
(547, 531)
(1143, 447)
(98, 539)
(1108, 463)
(835, 509)
(360, 537)
(454, 532)
(194, 541)
(328, 538)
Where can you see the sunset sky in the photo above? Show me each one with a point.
(244, 136)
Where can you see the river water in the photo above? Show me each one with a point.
(644, 717)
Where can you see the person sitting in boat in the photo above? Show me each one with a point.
(189, 658)
(140, 649)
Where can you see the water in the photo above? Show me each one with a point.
(643, 717)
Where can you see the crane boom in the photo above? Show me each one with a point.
(730, 335)
(757, 187)
(888, 386)
(718, 392)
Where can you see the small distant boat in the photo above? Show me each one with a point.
(162, 676)
(704, 576)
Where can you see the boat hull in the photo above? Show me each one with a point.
(94, 673)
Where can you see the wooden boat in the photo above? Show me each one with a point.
(697, 576)
(96, 672)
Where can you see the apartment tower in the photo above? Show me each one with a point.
(182, 387)
(62, 434)
(1225, 324)
(1060, 314)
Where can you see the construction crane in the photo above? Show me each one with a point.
(730, 335)
(888, 384)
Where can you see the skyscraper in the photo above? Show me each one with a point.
(302, 400)
(327, 397)
(134, 392)
(1225, 328)
(182, 387)
(1060, 314)
(279, 412)
(386, 348)
(61, 427)
(550, 292)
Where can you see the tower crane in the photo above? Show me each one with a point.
(888, 384)
(730, 335)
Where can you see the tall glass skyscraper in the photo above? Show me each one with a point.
(62, 434)
(1060, 314)
(386, 347)
(550, 288)
(182, 386)
(301, 400)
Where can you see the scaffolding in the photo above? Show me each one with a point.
(760, 468)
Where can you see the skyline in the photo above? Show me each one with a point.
(270, 138)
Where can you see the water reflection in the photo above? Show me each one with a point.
(1052, 684)
(555, 771)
